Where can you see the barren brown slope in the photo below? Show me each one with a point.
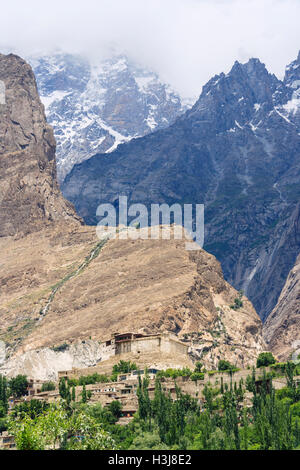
(282, 328)
(141, 285)
(29, 194)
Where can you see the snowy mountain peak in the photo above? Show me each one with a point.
(292, 81)
(236, 100)
(292, 74)
(96, 105)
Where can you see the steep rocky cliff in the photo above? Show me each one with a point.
(282, 328)
(29, 194)
(237, 151)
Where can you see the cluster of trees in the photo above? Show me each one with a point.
(89, 380)
(16, 387)
(265, 359)
(68, 393)
(58, 428)
(65, 425)
(222, 420)
(32, 408)
(225, 365)
(48, 386)
(199, 371)
(197, 374)
(123, 367)
(271, 422)
(174, 373)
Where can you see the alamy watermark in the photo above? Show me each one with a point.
(160, 221)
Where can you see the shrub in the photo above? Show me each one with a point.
(92, 379)
(174, 373)
(224, 365)
(48, 387)
(198, 366)
(115, 408)
(197, 376)
(238, 303)
(265, 359)
(61, 348)
(124, 367)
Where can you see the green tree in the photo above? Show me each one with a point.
(124, 367)
(32, 408)
(63, 388)
(84, 397)
(18, 386)
(265, 359)
(28, 436)
(197, 376)
(3, 396)
(88, 434)
(53, 426)
(224, 365)
(55, 429)
(115, 407)
(48, 386)
(73, 394)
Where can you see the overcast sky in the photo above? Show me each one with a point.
(186, 41)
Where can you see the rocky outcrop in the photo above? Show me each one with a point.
(236, 151)
(30, 197)
(45, 364)
(282, 328)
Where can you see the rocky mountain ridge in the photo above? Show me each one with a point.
(29, 194)
(282, 328)
(236, 151)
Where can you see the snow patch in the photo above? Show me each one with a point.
(292, 106)
(283, 117)
(55, 96)
(295, 84)
(144, 82)
(238, 125)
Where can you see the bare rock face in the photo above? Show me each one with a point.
(282, 328)
(30, 197)
(46, 363)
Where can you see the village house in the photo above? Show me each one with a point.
(7, 442)
(135, 343)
